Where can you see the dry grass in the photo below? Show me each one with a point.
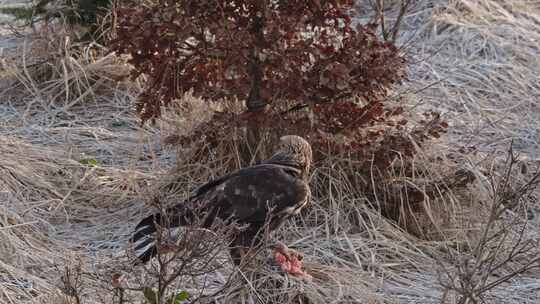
(481, 60)
(76, 170)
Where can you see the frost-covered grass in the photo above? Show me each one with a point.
(76, 170)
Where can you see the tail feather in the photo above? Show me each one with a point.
(145, 249)
(146, 226)
(144, 237)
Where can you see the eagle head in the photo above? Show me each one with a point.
(297, 150)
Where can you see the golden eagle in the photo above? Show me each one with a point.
(257, 197)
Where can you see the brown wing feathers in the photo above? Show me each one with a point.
(276, 189)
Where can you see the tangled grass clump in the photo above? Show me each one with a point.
(454, 222)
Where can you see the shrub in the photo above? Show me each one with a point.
(275, 67)
(261, 52)
(264, 53)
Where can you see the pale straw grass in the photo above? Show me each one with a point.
(77, 171)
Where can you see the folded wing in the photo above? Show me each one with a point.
(267, 193)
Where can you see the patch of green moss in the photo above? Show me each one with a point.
(20, 13)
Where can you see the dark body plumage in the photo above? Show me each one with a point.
(268, 193)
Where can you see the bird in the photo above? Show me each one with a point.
(258, 197)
